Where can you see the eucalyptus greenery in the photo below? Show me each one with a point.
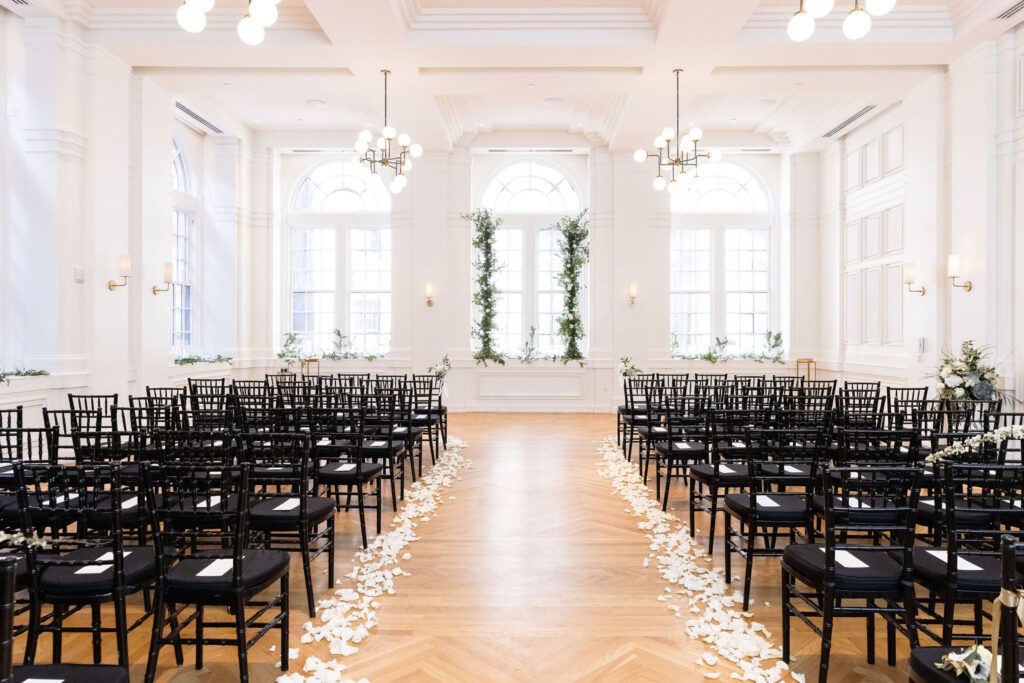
(529, 354)
(5, 375)
(717, 353)
(342, 350)
(290, 352)
(193, 359)
(574, 245)
(485, 296)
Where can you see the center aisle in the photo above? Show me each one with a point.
(533, 572)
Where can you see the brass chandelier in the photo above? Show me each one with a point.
(678, 155)
(392, 150)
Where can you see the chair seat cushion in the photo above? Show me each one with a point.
(348, 473)
(874, 515)
(266, 515)
(380, 446)
(729, 474)
(779, 508)
(930, 515)
(70, 673)
(922, 667)
(881, 573)
(259, 567)
(930, 569)
(683, 450)
(139, 568)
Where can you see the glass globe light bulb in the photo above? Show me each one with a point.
(715, 155)
(819, 8)
(389, 132)
(660, 143)
(800, 27)
(416, 151)
(668, 133)
(659, 183)
(263, 12)
(191, 19)
(857, 24)
(250, 31)
(401, 180)
(404, 140)
(362, 146)
(381, 143)
(696, 134)
(640, 156)
(366, 136)
(407, 165)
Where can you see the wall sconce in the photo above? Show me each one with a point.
(632, 293)
(910, 277)
(428, 291)
(953, 272)
(125, 271)
(168, 278)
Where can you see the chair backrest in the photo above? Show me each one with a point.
(862, 388)
(275, 460)
(104, 403)
(877, 447)
(214, 449)
(905, 399)
(204, 419)
(982, 413)
(274, 378)
(874, 502)
(196, 507)
(255, 414)
(251, 387)
(11, 418)
(208, 394)
(149, 414)
(35, 445)
(1010, 450)
(176, 395)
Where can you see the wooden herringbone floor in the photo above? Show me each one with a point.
(532, 572)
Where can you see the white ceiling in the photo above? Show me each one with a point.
(599, 68)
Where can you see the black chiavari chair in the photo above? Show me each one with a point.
(12, 418)
(208, 394)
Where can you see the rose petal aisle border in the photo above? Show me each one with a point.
(347, 618)
(701, 595)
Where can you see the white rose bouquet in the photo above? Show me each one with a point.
(968, 375)
(627, 369)
(441, 369)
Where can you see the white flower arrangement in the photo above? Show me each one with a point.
(698, 590)
(995, 437)
(627, 368)
(350, 615)
(969, 375)
(441, 369)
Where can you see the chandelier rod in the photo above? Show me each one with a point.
(678, 132)
(385, 72)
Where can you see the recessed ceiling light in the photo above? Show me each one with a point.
(553, 101)
(798, 84)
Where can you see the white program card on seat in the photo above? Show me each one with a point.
(274, 469)
(347, 467)
(962, 565)
(420, 417)
(324, 442)
(44, 680)
(378, 444)
(683, 445)
(217, 568)
(132, 502)
(1016, 503)
(927, 501)
(726, 469)
(766, 502)
(289, 504)
(658, 429)
(210, 502)
(100, 568)
(792, 470)
(6, 469)
(60, 499)
(738, 444)
(854, 503)
(849, 560)
(401, 430)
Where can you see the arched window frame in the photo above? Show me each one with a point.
(186, 217)
(723, 272)
(528, 246)
(337, 260)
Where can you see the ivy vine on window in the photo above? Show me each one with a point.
(485, 294)
(574, 243)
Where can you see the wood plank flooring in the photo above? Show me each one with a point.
(533, 572)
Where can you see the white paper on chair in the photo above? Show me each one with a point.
(132, 502)
(848, 559)
(347, 467)
(738, 444)
(378, 444)
(420, 417)
(217, 568)
(324, 442)
(400, 430)
(1016, 503)
(100, 568)
(962, 565)
(6, 469)
(210, 502)
(289, 504)
(854, 503)
(274, 469)
(726, 469)
(60, 499)
(927, 501)
(792, 470)
(44, 680)
(766, 502)
(658, 429)
(683, 445)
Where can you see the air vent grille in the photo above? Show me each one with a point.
(1012, 10)
(849, 121)
(20, 2)
(197, 118)
(501, 150)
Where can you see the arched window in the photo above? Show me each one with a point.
(339, 272)
(179, 178)
(531, 187)
(722, 187)
(720, 261)
(341, 187)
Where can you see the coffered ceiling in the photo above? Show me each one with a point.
(595, 70)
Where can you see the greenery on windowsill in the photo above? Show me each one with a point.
(193, 359)
(6, 375)
(718, 353)
(343, 350)
(485, 294)
(574, 244)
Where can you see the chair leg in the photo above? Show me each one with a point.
(910, 611)
(668, 483)
(714, 514)
(199, 637)
(97, 640)
(58, 633)
(179, 657)
(870, 632)
(284, 622)
(362, 508)
(948, 611)
(243, 655)
(785, 614)
(330, 551)
(307, 574)
(34, 618)
(749, 568)
(154, 641)
(728, 553)
(890, 639)
(121, 630)
(826, 633)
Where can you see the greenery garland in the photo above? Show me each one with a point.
(574, 244)
(199, 360)
(485, 296)
(5, 375)
(772, 353)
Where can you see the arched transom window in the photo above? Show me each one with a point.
(722, 187)
(531, 187)
(179, 178)
(341, 187)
